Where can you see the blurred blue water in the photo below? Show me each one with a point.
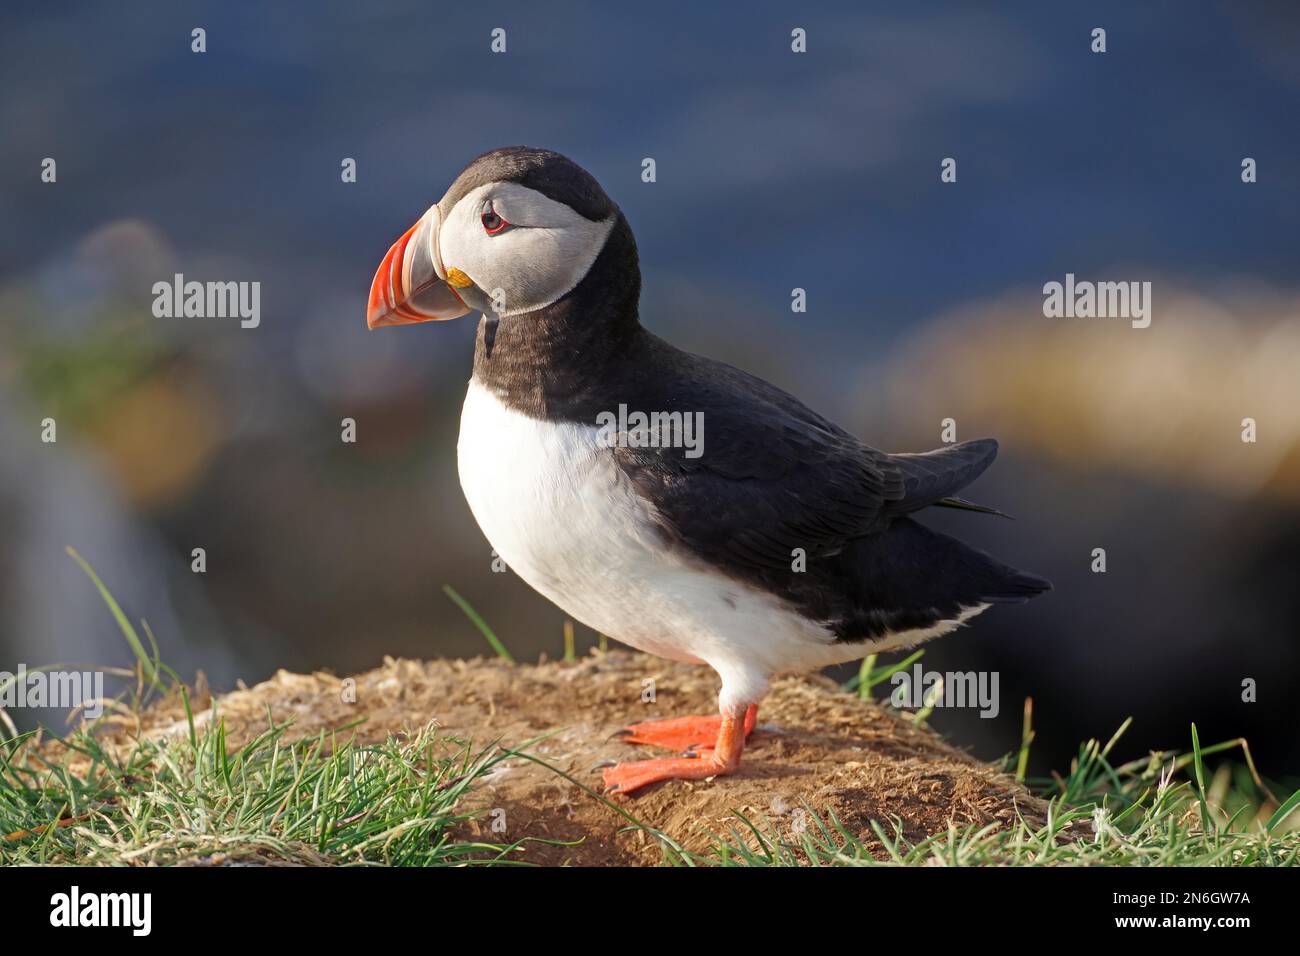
(774, 170)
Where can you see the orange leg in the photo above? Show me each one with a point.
(683, 733)
(722, 758)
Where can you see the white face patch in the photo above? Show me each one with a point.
(539, 257)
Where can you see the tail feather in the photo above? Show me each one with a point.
(965, 504)
(936, 475)
(1018, 587)
(911, 577)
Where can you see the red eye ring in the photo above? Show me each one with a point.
(492, 223)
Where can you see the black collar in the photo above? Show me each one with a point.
(565, 361)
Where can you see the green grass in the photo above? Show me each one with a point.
(478, 622)
(1133, 814)
(332, 800)
(187, 799)
(190, 798)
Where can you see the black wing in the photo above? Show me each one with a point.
(773, 476)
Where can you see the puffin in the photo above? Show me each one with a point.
(670, 501)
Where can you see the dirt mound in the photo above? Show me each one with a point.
(814, 746)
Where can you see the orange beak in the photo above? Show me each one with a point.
(411, 283)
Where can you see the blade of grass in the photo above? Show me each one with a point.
(873, 676)
(570, 651)
(1026, 738)
(1283, 812)
(1200, 780)
(478, 622)
(864, 676)
(931, 699)
(137, 646)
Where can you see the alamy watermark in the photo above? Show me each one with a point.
(208, 300)
(1101, 300)
(65, 690)
(922, 688)
(625, 429)
(133, 911)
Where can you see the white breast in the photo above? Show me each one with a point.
(551, 504)
(560, 513)
(554, 507)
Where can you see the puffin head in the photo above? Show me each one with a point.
(518, 230)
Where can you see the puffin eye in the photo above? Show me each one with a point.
(492, 223)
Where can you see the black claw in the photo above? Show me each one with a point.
(605, 763)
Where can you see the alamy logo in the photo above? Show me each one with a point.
(922, 688)
(624, 429)
(75, 908)
(1102, 300)
(50, 688)
(208, 300)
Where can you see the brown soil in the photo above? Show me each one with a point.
(814, 746)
